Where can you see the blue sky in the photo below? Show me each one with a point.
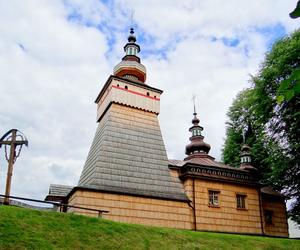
(56, 55)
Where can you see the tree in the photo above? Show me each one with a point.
(272, 122)
(296, 11)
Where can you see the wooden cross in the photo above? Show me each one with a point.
(11, 139)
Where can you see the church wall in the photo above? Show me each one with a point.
(279, 226)
(226, 217)
(136, 210)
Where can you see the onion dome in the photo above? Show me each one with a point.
(246, 158)
(130, 67)
(197, 145)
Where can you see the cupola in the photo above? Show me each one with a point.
(130, 67)
(246, 158)
(197, 146)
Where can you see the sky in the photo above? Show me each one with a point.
(56, 55)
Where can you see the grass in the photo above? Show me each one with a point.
(22, 228)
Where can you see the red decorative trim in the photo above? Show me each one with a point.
(136, 93)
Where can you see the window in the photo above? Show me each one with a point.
(241, 201)
(126, 87)
(213, 198)
(269, 217)
(148, 94)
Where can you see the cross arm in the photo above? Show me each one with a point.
(17, 142)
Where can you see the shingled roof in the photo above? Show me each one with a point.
(128, 156)
(207, 161)
(270, 191)
(58, 192)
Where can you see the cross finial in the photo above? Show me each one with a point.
(244, 136)
(194, 103)
(131, 18)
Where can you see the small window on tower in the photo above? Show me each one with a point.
(148, 94)
(213, 198)
(126, 87)
(241, 201)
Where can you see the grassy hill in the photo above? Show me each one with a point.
(22, 228)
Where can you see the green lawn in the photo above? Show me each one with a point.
(22, 228)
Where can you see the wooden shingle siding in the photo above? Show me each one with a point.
(128, 155)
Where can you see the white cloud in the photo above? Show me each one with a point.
(165, 19)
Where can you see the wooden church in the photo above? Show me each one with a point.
(128, 173)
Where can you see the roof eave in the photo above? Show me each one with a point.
(111, 77)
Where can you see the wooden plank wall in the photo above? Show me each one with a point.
(279, 226)
(175, 214)
(226, 217)
(136, 210)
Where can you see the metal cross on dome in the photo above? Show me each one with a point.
(15, 139)
(194, 103)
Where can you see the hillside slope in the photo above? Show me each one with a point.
(22, 228)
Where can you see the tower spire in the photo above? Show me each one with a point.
(197, 146)
(131, 37)
(130, 67)
(246, 158)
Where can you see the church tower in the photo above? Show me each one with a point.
(128, 155)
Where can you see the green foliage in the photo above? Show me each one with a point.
(270, 110)
(243, 119)
(289, 87)
(296, 11)
(22, 228)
